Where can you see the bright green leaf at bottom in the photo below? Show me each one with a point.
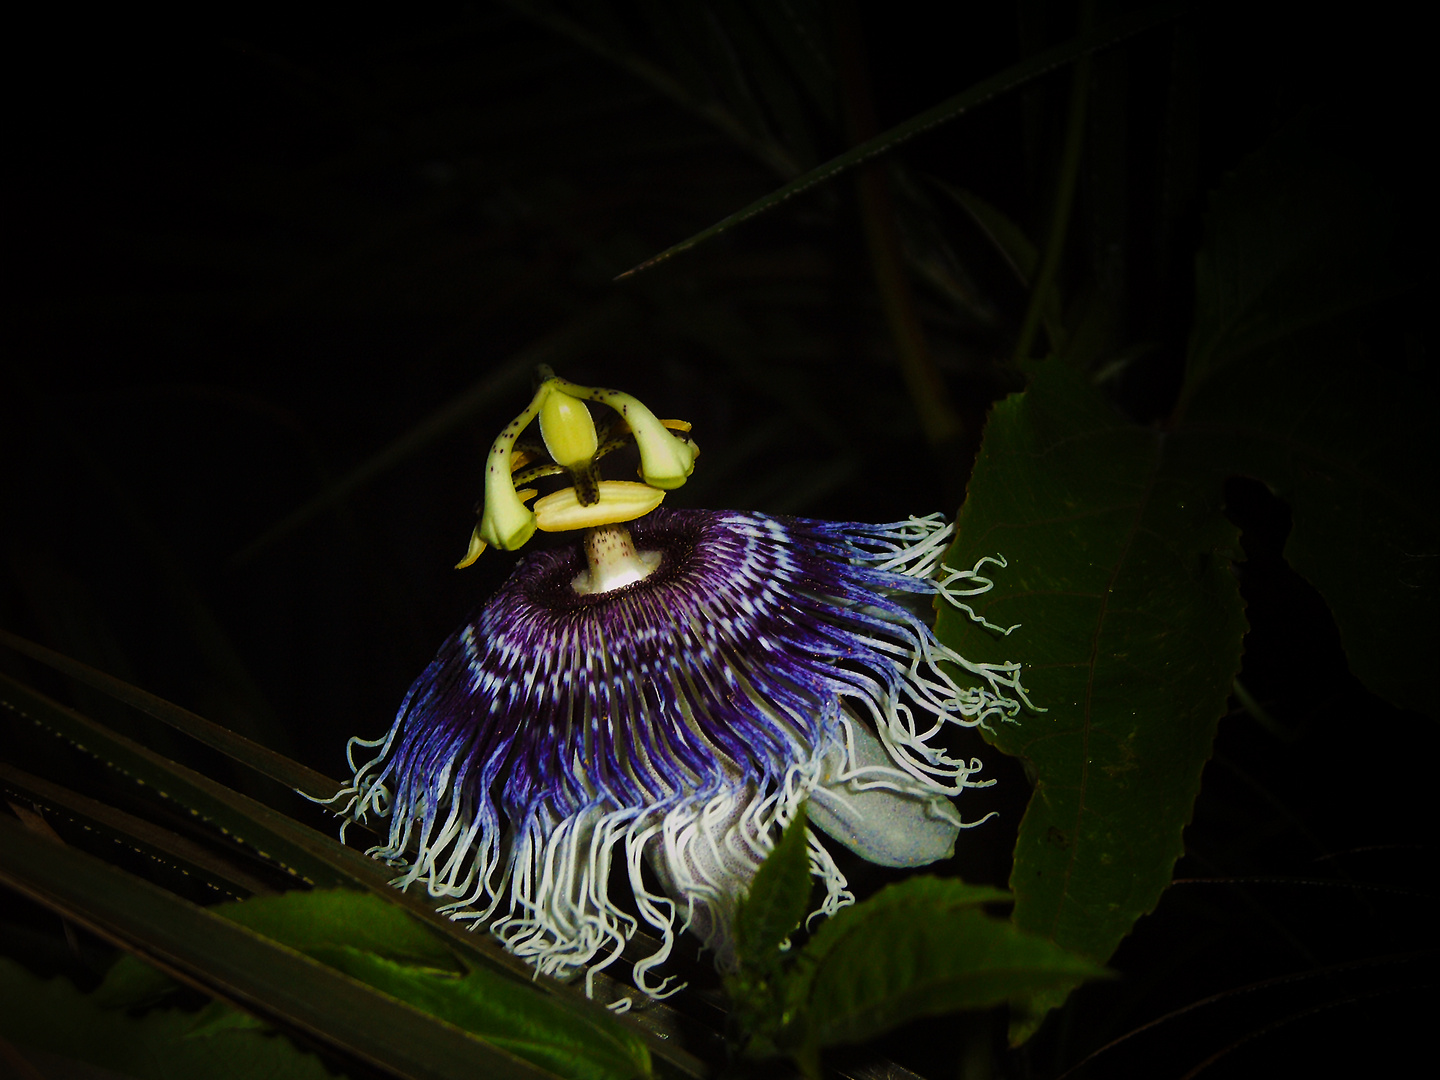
(383, 946)
(333, 918)
(510, 1015)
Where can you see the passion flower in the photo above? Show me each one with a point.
(668, 690)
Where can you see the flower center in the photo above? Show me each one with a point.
(612, 561)
(574, 445)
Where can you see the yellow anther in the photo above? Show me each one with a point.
(477, 548)
(572, 441)
(665, 461)
(620, 500)
(506, 522)
(567, 428)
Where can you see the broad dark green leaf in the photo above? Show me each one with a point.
(1285, 385)
(1012, 77)
(1119, 552)
(1131, 623)
(55, 1018)
(131, 983)
(919, 948)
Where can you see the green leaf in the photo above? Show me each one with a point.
(1131, 624)
(52, 1016)
(1118, 549)
(918, 948)
(382, 946)
(506, 1014)
(778, 899)
(1284, 384)
(1017, 75)
(335, 918)
(133, 984)
(243, 968)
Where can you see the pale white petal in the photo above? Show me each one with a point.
(881, 813)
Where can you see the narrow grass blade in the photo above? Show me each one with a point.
(311, 857)
(266, 829)
(246, 751)
(160, 843)
(1012, 77)
(245, 969)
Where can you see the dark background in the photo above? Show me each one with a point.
(250, 252)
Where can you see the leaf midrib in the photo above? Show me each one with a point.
(1140, 504)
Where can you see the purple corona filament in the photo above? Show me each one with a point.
(680, 720)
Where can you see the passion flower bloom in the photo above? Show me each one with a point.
(669, 691)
